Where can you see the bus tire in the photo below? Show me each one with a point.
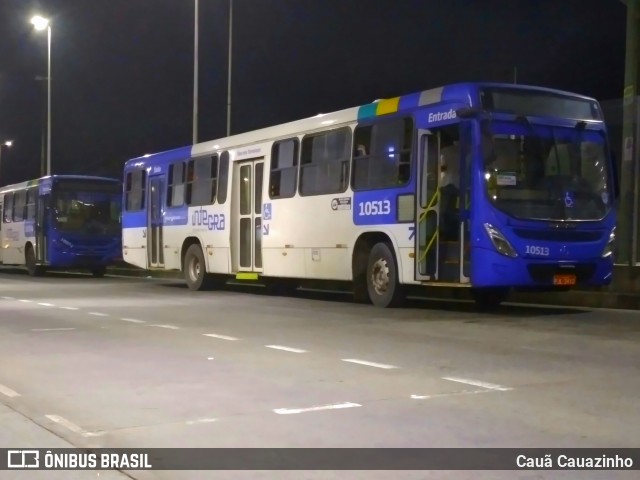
(360, 290)
(382, 277)
(489, 298)
(99, 272)
(195, 270)
(30, 259)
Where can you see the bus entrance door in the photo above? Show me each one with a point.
(43, 211)
(440, 229)
(246, 235)
(155, 247)
(427, 214)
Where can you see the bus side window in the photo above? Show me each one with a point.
(223, 177)
(135, 187)
(388, 162)
(19, 205)
(324, 162)
(176, 184)
(202, 180)
(7, 216)
(31, 203)
(283, 177)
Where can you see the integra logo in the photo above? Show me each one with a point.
(438, 116)
(212, 221)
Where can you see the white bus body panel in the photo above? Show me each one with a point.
(134, 241)
(13, 235)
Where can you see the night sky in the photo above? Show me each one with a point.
(122, 70)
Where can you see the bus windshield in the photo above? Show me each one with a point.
(87, 209)
(546, 173)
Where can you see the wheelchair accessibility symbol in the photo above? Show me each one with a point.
(266, 211)
(568, 200)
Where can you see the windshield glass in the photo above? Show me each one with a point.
(546, 173)
(87, 209)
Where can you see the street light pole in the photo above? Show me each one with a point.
(195, 75)
(48, 100)
(229, 70)
(40, 23)
(7, 144)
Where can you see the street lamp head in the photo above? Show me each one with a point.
(8, 143)
(40, 23)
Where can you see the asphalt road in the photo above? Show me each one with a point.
(118, 362)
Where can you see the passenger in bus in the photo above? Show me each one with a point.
(359, 151)
(449, 191)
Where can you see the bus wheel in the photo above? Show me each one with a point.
(382, 277)
(360, 290)
(489, 298)
(99, 272)
(195, 271)
(33, 269)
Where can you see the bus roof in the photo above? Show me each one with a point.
(38, 181)
(468, 93)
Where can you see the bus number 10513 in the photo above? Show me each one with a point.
(377, 207)
(535, 250)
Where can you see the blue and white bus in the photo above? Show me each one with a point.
(490, 187)
(61, 221)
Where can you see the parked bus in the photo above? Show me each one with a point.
(490, 187)
(61, 221)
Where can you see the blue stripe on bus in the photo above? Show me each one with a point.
(45, 186)
(134, 219)
(379, 207)
(461, 92)
(158, 162)
(409, 101)
(176, 216)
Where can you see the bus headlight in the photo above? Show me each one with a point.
(500, 243)
(611, 244)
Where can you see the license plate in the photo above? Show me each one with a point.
(564, 279)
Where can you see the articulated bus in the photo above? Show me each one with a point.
(61, 221)
(491, 187)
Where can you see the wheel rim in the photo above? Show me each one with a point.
(194, 269)
(380, 276)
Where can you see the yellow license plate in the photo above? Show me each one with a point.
(564, 280)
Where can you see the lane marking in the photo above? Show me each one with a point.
(221, 337)
(452, 394)
(50, 329)
(70, 308)
(369, 364)
(26, 301)
(98, 314)
(66, 423)
(46, 304)
(170, 327)
(132, 320)
(335, 406)
(200, 420)
(286, 349)
(8, 392)
(478, 383)
(8, 298)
